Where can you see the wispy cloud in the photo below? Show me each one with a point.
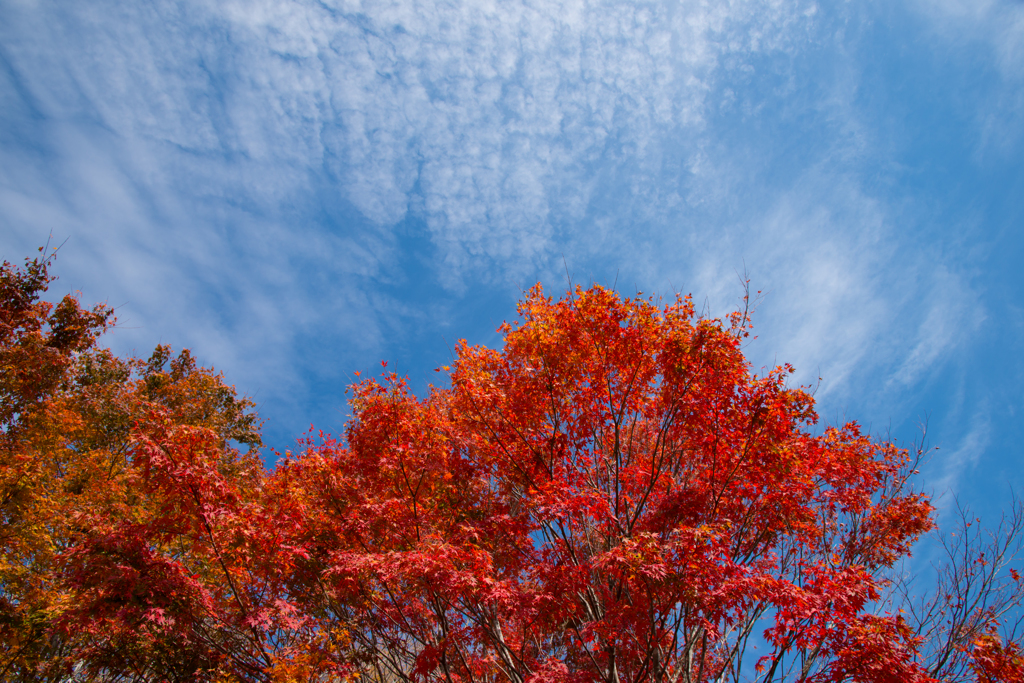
(266, 180)
(212, 158)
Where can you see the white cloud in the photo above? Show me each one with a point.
(185, 131)
(952, 311)
(496, 115)
(204, 153)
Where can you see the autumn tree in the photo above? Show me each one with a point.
(86, 527)
(613, 496)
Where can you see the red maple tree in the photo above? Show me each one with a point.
(613, 496)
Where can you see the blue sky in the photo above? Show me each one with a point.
(297, 190)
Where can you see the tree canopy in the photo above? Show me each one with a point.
(614, 496)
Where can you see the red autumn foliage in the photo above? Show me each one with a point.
(613, 496)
